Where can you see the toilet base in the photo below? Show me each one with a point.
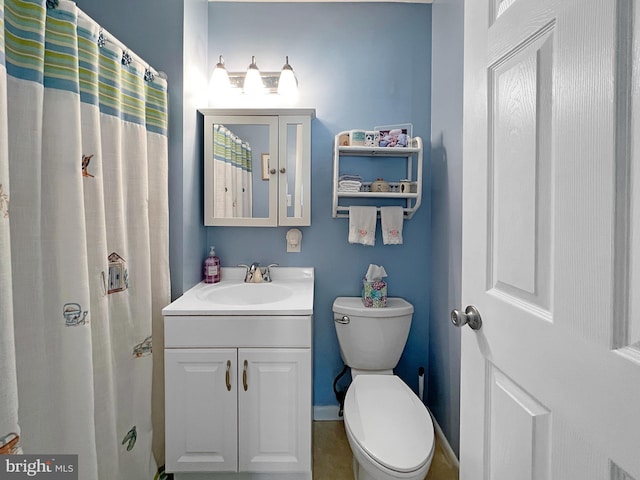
(359, 473)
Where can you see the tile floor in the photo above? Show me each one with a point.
(332, 455)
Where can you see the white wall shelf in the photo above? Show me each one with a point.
(411, 200)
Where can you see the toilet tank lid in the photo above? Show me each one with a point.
(396, 306)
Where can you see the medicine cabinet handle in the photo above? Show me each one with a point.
(244, 376)
(228, 375)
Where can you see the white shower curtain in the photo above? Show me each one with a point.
(84, 153)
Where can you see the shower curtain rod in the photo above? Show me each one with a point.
(112, 39)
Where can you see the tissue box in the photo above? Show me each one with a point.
(374, 294)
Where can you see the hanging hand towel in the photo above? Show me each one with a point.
(392, 219)
(362, 225)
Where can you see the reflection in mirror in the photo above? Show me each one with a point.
(294, 168)
(239, 189)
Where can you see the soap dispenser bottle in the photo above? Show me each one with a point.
(212, 267)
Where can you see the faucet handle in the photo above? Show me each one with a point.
(266, 276)
(247, 275)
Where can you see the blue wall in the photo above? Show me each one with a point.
(446, 216)
(336, 50)
(360, 65)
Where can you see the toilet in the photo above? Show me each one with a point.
(388, 427)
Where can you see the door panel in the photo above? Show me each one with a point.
(550, 240)
(275, 422)
(520, 196)
(201, 430)
(520, 432)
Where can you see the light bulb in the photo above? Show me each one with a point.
(219, 79)
(252, 81)
(288, 83)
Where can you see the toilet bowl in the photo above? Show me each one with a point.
(389, 429)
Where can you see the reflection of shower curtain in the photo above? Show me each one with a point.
(83, 144)
(232, 166)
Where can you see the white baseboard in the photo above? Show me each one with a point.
(446, 446)
(323, 413)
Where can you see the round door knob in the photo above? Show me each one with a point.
(282, 170)
(272, 171)
(470, 316)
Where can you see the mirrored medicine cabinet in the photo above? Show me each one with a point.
(257, 167)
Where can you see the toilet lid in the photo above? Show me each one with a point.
(389, 422)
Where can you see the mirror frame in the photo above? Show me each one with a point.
(277, 120)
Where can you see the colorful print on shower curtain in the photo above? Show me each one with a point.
(78, 143)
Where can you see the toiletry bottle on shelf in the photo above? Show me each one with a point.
(212, 267)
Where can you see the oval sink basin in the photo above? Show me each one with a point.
(247, 294)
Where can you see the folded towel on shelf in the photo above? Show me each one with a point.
(392, 219)
(349, 186)
(348, 176)
(362, 225)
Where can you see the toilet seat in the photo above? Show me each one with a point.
(389, 423)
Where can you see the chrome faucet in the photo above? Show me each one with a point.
(257, 274)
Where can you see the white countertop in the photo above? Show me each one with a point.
(294, 283)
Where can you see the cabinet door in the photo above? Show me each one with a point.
(274, 403)
(294, 170)
(241, 170)
(201, 410)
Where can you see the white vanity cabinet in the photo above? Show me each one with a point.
(257, 167)
(238, 395)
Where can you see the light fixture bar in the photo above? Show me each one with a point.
(270, 80)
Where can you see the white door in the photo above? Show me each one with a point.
(550, 385)
(274, 403)
(201, 409)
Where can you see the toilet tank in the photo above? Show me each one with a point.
(371, 338)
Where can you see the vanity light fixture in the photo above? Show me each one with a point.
(220, 77)
(253, 81)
